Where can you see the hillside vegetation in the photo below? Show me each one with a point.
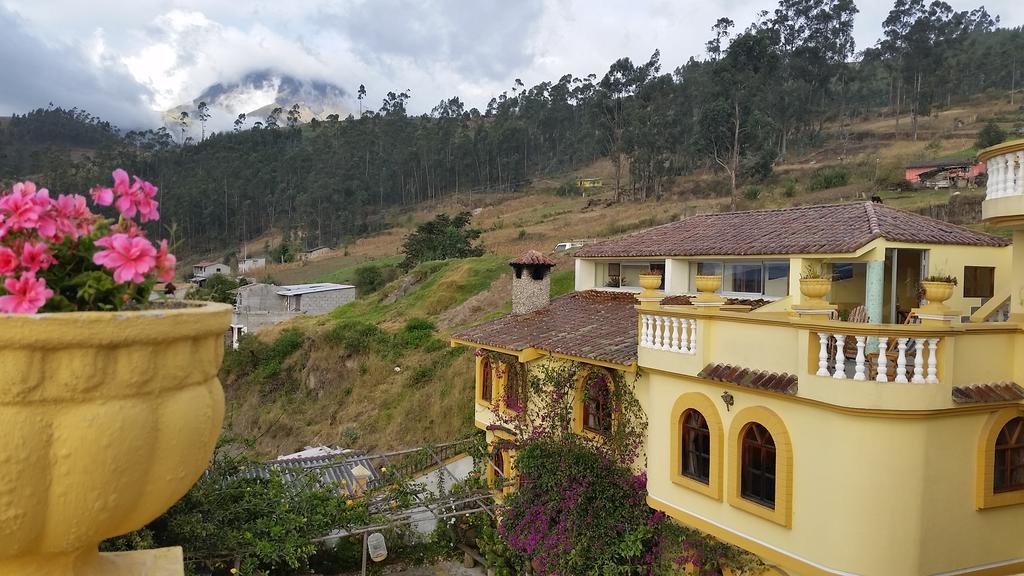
(755, 101)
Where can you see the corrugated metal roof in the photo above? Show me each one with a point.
(296, 289)
(329, 469)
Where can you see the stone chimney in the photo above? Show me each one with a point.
(531, 282)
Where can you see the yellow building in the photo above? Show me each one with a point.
(824, 446)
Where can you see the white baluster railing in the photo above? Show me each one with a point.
(916, 359)
(669, 333)
(1005, 175)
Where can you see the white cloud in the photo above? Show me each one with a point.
(436, 48)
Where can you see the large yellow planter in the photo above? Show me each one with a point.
(106, 419)
(707, 286)
(936, 293)
(814, 290)
(650, 283)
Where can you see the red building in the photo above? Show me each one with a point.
(944, 173)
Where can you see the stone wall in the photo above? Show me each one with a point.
(961, 209)
(529, 294)
(323, 302)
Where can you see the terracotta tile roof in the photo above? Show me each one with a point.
(834, 228)
(995, 392)
(774, 382)
(532, 257)
(592, 324)
(684, 300)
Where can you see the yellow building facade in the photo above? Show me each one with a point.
(821, 445)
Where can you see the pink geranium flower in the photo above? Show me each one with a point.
(73, 216)
(145, 203)
(20, 209)
(130, 257)
(35, 256)
(102, 196)
(25, 295)
(165, 262)
(8, 261)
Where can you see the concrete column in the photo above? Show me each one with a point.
(586, 274)
(677, 276)
(874, 290)
(796, 268)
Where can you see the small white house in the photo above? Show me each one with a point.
(205, 269)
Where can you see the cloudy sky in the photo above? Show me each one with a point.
(126, 60)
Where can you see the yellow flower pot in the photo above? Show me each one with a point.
(708, 286)
(814, 290)
(650, 283)
(107, 419)
(936, 293)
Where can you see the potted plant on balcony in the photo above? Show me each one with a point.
(650, 282)
(109, 404)
(707, 286)
(937, 289)
(814, 285)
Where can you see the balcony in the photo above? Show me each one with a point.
(853, 365)
(1004, 198)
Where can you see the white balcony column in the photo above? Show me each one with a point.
(693, 336)
(859, 372)
(675, 334)
(918, 361)
(659, 336)
(823, 354)
(840, 371)
(684, 337)
(991, 188)
(901, 360)
(883, 360)
(933, 361)
(1018, 174)
(644, 331)
(1005, 177)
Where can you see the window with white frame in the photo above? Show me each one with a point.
(757, 278)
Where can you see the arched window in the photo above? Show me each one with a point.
(696, 446)
(515, 389)
(1008, 474)
(487, 382)
(597, 405)
(757, 476)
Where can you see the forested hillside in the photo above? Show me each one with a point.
(790, 82)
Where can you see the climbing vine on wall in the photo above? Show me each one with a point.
(550, 387)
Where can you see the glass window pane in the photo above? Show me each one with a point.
(745, 277)
(777, 279)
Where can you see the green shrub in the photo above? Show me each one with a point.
(829, 177)
(422, 375)
(567, 188)
(415, 334)
(354, 336)
(372, 277)
(522, 233)
(286, 344)
(990, 135)
(789, 188)
(752, 193)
